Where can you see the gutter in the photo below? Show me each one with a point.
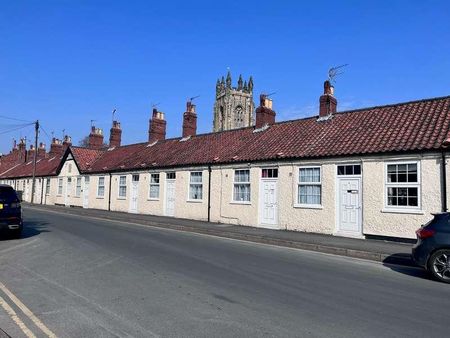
(109, 192)
(209, 193)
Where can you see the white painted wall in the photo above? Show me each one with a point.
(376, 219)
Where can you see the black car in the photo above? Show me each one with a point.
(10, 211)
(432, 250)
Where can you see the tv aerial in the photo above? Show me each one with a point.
(335, 71)
(113, 113)
(154, 105)
(193, 98)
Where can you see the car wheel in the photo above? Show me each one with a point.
(439, 265)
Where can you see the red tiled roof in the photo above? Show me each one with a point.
(7, 162)
(44, 167)
(405, 127)
(412, 126)
(85, 157)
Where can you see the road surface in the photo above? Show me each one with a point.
(73, 276)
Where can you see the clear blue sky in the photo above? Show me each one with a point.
(67, 62)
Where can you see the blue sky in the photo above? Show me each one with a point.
(67, 62)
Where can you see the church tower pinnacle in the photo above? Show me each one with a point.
(234, 106)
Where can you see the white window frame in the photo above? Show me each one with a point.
(192, 184)
(121, 185)
(60, 187)
(153, 184)
(297, 200)
(98, 187)
(418, 185)
(235, 183)
(78, 187)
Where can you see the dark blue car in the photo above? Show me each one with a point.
(432, 250)
(10, 211)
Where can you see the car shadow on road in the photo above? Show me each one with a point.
(403, 263)
(30, 229)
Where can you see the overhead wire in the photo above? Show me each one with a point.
(14, 119)
(16, 128)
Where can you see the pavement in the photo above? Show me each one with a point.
(389, 252)
(81, 276)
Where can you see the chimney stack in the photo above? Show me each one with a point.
(22, 151)
(30, 153)
(67, 142)
(115, 136)
(157, 127)
(96, 138)
(264, 113)
(56, 148)
(41, 151)
(328, 103)
(189, 120)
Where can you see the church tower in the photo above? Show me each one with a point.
(234, 105)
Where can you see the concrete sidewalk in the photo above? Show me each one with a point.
(371, 249)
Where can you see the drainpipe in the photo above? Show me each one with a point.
(109, 192)
(42, 189)
(444, 182)
(209, 193)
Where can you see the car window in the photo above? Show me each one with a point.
(7, 194)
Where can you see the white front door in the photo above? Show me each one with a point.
(170, 198)
(68, 191)
(268, 203)
(349, 206)
(86, 193)
(134, 194)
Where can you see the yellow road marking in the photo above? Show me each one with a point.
(10, 311)
(27, 312)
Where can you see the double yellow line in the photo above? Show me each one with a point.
(10, 311)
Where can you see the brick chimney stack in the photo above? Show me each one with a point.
(30, 153)
(115, 136)
(22, 151)
(56, 148)
(328, 103)
(189, 120)
(264, 113)
(96, 138)
(67, 142)
(156, 127)
(41, 151)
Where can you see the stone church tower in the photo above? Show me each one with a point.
(234, 105)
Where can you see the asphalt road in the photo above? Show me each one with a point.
(83, 277)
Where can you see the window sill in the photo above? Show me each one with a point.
(121, 198)
(403, 211)
(241, 203)
(194, 201)
(309, 206)
(99, 197)
(153, 199)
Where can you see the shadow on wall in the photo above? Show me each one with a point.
(30, 229)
